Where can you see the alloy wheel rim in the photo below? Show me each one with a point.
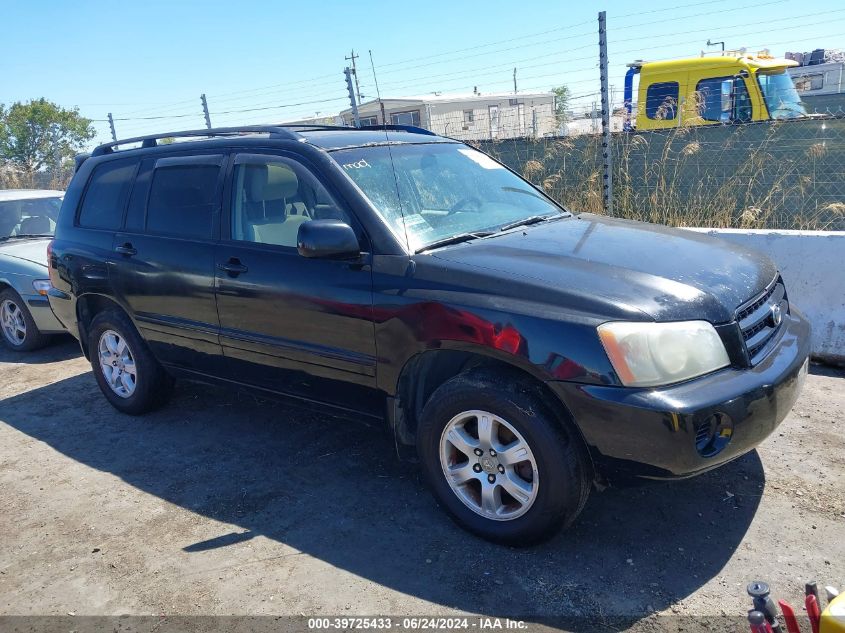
(489, 465)
(14, 325)
(117, 363)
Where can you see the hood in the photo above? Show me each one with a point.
(32, 250)
(666, 274)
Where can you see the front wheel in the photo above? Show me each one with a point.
(131, 379)
(19, 331)
(499, 463)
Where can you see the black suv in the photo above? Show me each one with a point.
(524, 352)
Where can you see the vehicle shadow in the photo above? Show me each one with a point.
(335, 491)
(61, 347)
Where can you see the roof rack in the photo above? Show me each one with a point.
(287, 132)
(150, 140)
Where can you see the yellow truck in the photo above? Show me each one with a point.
(732, 87)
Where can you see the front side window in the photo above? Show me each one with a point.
(723, 99)
(105, 198)
(184, 196)
(661, 100)
(779, 93)
(439, 190)
(272, 197)
(406, 118)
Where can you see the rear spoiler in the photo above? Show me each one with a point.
(79, 159)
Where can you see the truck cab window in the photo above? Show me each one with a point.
(661, 100)
(723, 99)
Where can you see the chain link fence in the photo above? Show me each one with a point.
(773, 174)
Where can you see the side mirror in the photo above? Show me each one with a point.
(327, 239)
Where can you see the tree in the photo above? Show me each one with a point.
(40, 134)
(561, 94)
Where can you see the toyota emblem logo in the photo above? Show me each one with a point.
(777, 314)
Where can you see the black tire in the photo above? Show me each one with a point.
(153, 384)
(33, 338)
(563, 464)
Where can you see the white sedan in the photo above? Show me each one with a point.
(27, 221)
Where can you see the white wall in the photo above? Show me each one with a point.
(513, 121)
(812, 264)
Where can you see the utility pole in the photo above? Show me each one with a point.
(348, 72)
(205, 111)
(352, 58)
(607, 188)
(111, 126)
(514, 81)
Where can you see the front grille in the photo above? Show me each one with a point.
(761, 318)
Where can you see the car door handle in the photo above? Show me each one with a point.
(126, 249)
(234, 267)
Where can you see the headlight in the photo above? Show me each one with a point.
(650, 354)
(41, 286)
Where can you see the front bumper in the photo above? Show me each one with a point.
(652, 432)
(45, 320)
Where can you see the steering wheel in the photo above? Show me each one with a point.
(463, 202)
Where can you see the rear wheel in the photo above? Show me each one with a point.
(19, 331)
(501, 465)
(131, 379)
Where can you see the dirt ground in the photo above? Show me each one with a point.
(222, 504)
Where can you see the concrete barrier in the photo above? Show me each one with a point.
(812, 264)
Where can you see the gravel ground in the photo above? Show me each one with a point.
(222, 504)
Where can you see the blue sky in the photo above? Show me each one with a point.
(154, 58)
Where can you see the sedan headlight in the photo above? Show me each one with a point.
(41, 286)
(651, 354)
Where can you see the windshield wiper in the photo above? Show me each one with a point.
(454, 239)
(32, 235)
(531, 219)
(526, 192)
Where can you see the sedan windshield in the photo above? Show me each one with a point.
(782, 99)
(443, 193)
(28, 217)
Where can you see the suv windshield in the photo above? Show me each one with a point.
(442, 190)
(781, 97)
(33, 216)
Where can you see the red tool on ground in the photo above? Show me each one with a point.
(813, 612)
(789, 617)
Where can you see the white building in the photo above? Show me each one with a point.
(466, 116)
(819, 79)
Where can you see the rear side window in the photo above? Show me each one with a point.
(105, 198)
(661, 100)
(184, 196)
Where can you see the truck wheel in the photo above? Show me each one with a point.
(502, 467)
(19, 332)
(131, 379)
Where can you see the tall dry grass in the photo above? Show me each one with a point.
(786, 175)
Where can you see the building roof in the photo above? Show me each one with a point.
(449, 98)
